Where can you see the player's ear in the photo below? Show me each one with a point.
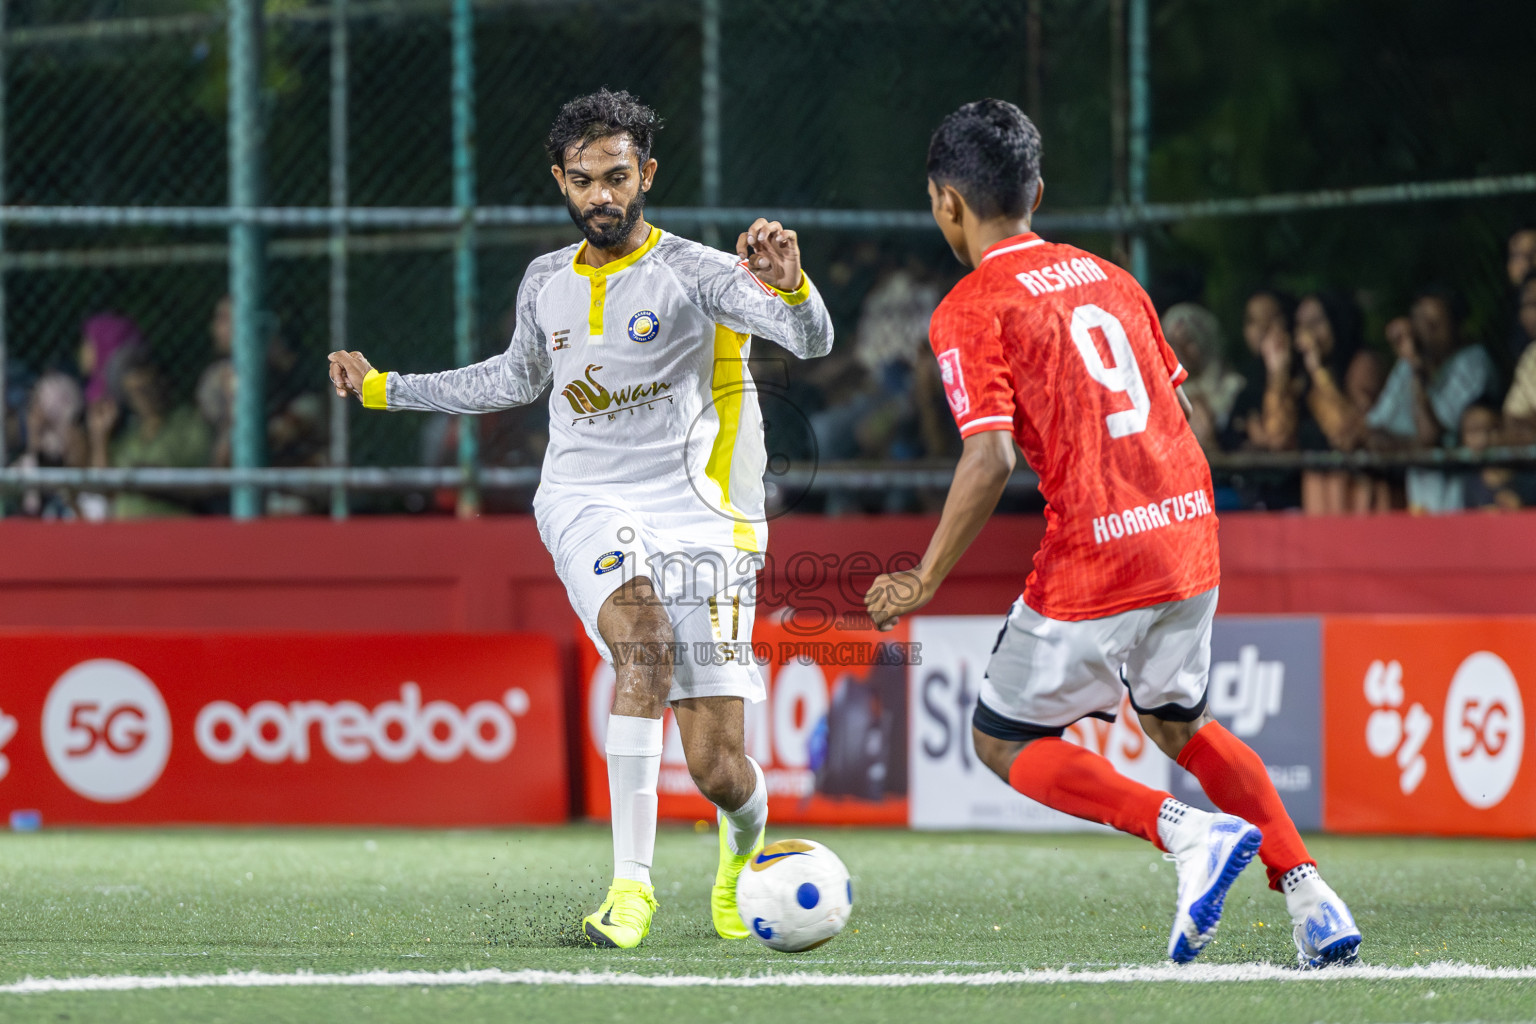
(1039, 194)
(648, 174)
(559, 173)
(946, 203)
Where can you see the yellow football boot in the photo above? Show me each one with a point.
(722, 897)
(624, 919)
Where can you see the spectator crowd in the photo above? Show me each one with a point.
(1308, 381)
(108, 403)
(1304, 377)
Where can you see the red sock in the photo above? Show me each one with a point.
(1233, 776)
(1083, 784)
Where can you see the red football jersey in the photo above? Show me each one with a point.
(1064, 350)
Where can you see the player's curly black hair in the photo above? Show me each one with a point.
(599, 115)
(989, 151)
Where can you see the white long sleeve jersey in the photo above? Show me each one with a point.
(653, 406)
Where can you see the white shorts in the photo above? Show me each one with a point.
(708, 587)
(1045, 674)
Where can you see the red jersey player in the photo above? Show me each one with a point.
(1049, 346)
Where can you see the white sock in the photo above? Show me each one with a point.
(1300, 885)
(634, 763)
(1169, 818)
(746, 822)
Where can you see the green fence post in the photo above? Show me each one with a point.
(340, 454)
(709, 103)
(5, 456)
(1140, 129)
(465, 292)
(245, 249)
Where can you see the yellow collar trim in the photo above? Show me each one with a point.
(619, 264)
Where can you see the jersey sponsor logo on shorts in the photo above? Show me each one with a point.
(644, 326)
(1152, 516)
(591, 400)
(1059, 277)
(609, 562)
(954, 381)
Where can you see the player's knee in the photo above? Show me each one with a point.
(1169, 735)
(996, 754)
(635, 615)
(715, 772)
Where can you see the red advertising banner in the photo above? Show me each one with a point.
(286, 728)
(831, 737)
(1425, 726)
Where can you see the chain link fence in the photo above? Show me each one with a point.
(810, 107)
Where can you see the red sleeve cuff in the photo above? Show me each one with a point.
(1180, 375)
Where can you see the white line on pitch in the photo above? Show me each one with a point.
(1191, 974)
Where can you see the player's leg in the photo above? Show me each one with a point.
(1173, 662)
(714, 680)
(1069, 778)
(1045, 674)
(714, 742)
(634, 625)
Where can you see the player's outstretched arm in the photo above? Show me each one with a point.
(514, 377)
(765, 291)
(985, 465)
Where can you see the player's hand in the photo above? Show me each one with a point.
(347, 372)
(101, 418)
(1311, 350)
(1275, 349)
(895, 594)
(1399, 334)
(772, 252)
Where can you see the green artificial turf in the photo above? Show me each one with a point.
(331, 901)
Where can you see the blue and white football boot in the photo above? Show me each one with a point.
(1210, 851)
(1324, 930)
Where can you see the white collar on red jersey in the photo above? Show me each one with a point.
(1027, 243)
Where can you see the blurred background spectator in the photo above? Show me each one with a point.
(1519, 264)
(1194, 334)
(1341, 381)
(1433, 382)
(55, 436)
(1494, 488)
(154, 433)
(1520, 404)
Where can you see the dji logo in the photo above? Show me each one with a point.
(1246, 690)
(1390, 730)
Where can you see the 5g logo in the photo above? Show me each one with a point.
(106, 730)
(121, 728)
(1484, 729)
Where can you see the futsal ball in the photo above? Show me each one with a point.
(794, 895)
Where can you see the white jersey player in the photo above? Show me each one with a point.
(651, 496)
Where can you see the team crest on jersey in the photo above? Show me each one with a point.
(609, 562)
(954, 381)
(644, 326)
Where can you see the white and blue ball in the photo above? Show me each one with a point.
(794, 895)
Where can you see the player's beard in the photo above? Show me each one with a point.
(611, 237)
